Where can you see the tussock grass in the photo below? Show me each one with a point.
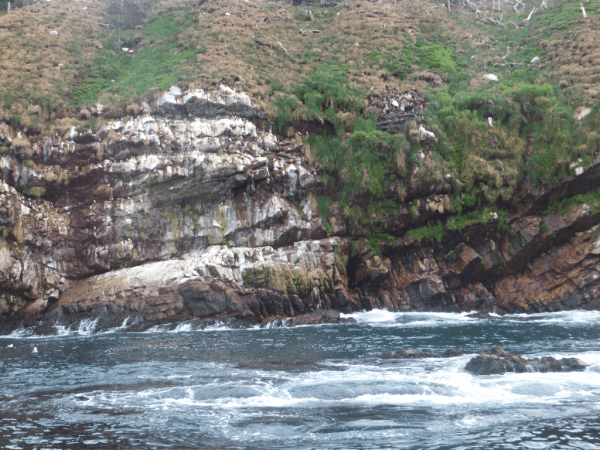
(37, 68)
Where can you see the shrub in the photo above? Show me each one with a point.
(434, 57)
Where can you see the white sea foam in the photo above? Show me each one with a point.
(184, 327)
(191, 326)
(574, 318)
(380, 318)
(119, 328)
(86, 327)
(424, 383)
(386, 318)
(19, 333)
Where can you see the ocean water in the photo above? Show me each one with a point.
(308, 387)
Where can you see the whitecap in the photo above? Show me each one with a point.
(574, 318)
(386, 318)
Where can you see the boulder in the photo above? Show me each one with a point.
(496, 361)
(134, 109)
(45, 330)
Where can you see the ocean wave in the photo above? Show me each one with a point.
(380, 318)
(574, 318)
(386, 318)
(365, 385)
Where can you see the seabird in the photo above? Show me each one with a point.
(10, 346)
(34, 350)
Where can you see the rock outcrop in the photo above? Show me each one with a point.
(497, 361)
(420, 354)
(190, 207)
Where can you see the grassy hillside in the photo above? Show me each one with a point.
(496, 141)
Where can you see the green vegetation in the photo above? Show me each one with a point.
(35, 191)
(324, 204)
(592, 199)
(375, 239)
(495, 155)
(483, 133)
(562, 17)
(492, 138)
(356, 158)
(396, 61)
(483, 216)
(159, 63)
(435, 57)
(432, 231)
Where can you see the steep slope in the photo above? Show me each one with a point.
(259, 160)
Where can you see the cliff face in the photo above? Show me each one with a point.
(188, 207)
(340, 156)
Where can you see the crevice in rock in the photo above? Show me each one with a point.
(352, 269)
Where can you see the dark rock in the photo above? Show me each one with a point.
(490, 365)
(547, 364)
(451, 353)
(415, 354)
(317, 317)
(45, 330)
(572, 364)
(420, 354)
(496, 361)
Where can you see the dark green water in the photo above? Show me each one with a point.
(314, 387)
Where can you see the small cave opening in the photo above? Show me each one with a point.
(352, 269)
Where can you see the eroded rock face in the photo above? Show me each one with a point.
(496, 361)
(252, 284)
(189, 207)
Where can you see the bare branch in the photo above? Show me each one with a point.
(531, 14)
(281, 45)
(496, 21)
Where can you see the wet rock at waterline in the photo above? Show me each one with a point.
(497, 361)
(317, 317)
(420, 354)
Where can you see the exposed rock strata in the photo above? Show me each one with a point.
(193, 208)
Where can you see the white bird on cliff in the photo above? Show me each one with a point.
(9, 346)
(34, 350)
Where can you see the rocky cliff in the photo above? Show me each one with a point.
(190, 208)
(199, 204)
